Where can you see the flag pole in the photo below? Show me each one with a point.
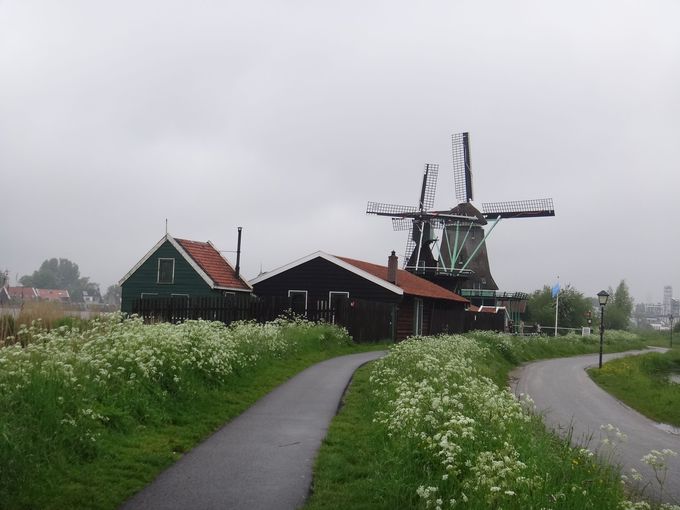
(557, 307)
(556, 291)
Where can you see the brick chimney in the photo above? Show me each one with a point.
(392, 265)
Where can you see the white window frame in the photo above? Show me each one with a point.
(339, 292)
(299, 291)
(418, 307)
(158, 271)
(141, 296)
(179, 295)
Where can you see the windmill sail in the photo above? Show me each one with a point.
(462, 170)
(519, 209)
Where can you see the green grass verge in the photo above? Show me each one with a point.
(363, 464)
(642, 382)
(90, 418)
(129, 460)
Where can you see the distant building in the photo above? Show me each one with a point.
(657, 315)
(55, 295)
(22, 293)
(667, 299)
(4, 296)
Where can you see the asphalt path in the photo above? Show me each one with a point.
(263, 458)
(565, 394)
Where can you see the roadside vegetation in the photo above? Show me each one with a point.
(575, 308)
(432, 425)
(46, 314)
(645, 383)
(90, 413)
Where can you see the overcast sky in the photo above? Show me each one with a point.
(287, 117)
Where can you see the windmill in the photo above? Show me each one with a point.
(421, 221)
(461, 255)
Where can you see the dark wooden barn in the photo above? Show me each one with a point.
(419, 307)
(181, 268)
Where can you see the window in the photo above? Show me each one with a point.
(166, 271)
(298, 301)
(335, 296)
(146, 295)
(417, 316)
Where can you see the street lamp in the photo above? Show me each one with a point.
(671, 318)
(602, 297)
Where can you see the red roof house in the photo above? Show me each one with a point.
(59, 295)
(22, 293)
(421, 307)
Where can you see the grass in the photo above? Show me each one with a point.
(642, 382)
(130, 460)
(384, 449)
(94, 415)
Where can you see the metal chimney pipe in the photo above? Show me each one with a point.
(392, 266)
(238, 253)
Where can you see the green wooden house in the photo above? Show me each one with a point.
(181, 268)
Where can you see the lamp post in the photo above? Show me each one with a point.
(602, 297)
(671, 318)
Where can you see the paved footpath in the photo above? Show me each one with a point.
(263, 458)
(562, 390)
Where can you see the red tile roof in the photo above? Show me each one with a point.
(410, 283)
(215, 266)
(22, 293)
(53, 294)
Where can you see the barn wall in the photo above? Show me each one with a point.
(405, 318)
(318, 277)
(187, 281)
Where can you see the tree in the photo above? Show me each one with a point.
(113, 295)
(572, 311)
(60, 274)
(619, 309)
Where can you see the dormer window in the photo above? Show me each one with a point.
(166, 271)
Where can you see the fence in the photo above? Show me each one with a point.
(366, 321)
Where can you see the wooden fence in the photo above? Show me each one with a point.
(366, 321)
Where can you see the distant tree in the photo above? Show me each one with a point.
(619, 309)
(60, 274)
(572, 311)
(639, 316)
(113, 295)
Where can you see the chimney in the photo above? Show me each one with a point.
(238, 253)
(392, 265)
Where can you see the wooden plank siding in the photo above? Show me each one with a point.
(318, 277)
(145, 279)
(405, 318)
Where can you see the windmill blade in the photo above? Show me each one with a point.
(390, 209)
(462, 171)
(429, 186)
(410, 247)
(519, 209)
(402, 223)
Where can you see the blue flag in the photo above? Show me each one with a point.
(556, 290)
